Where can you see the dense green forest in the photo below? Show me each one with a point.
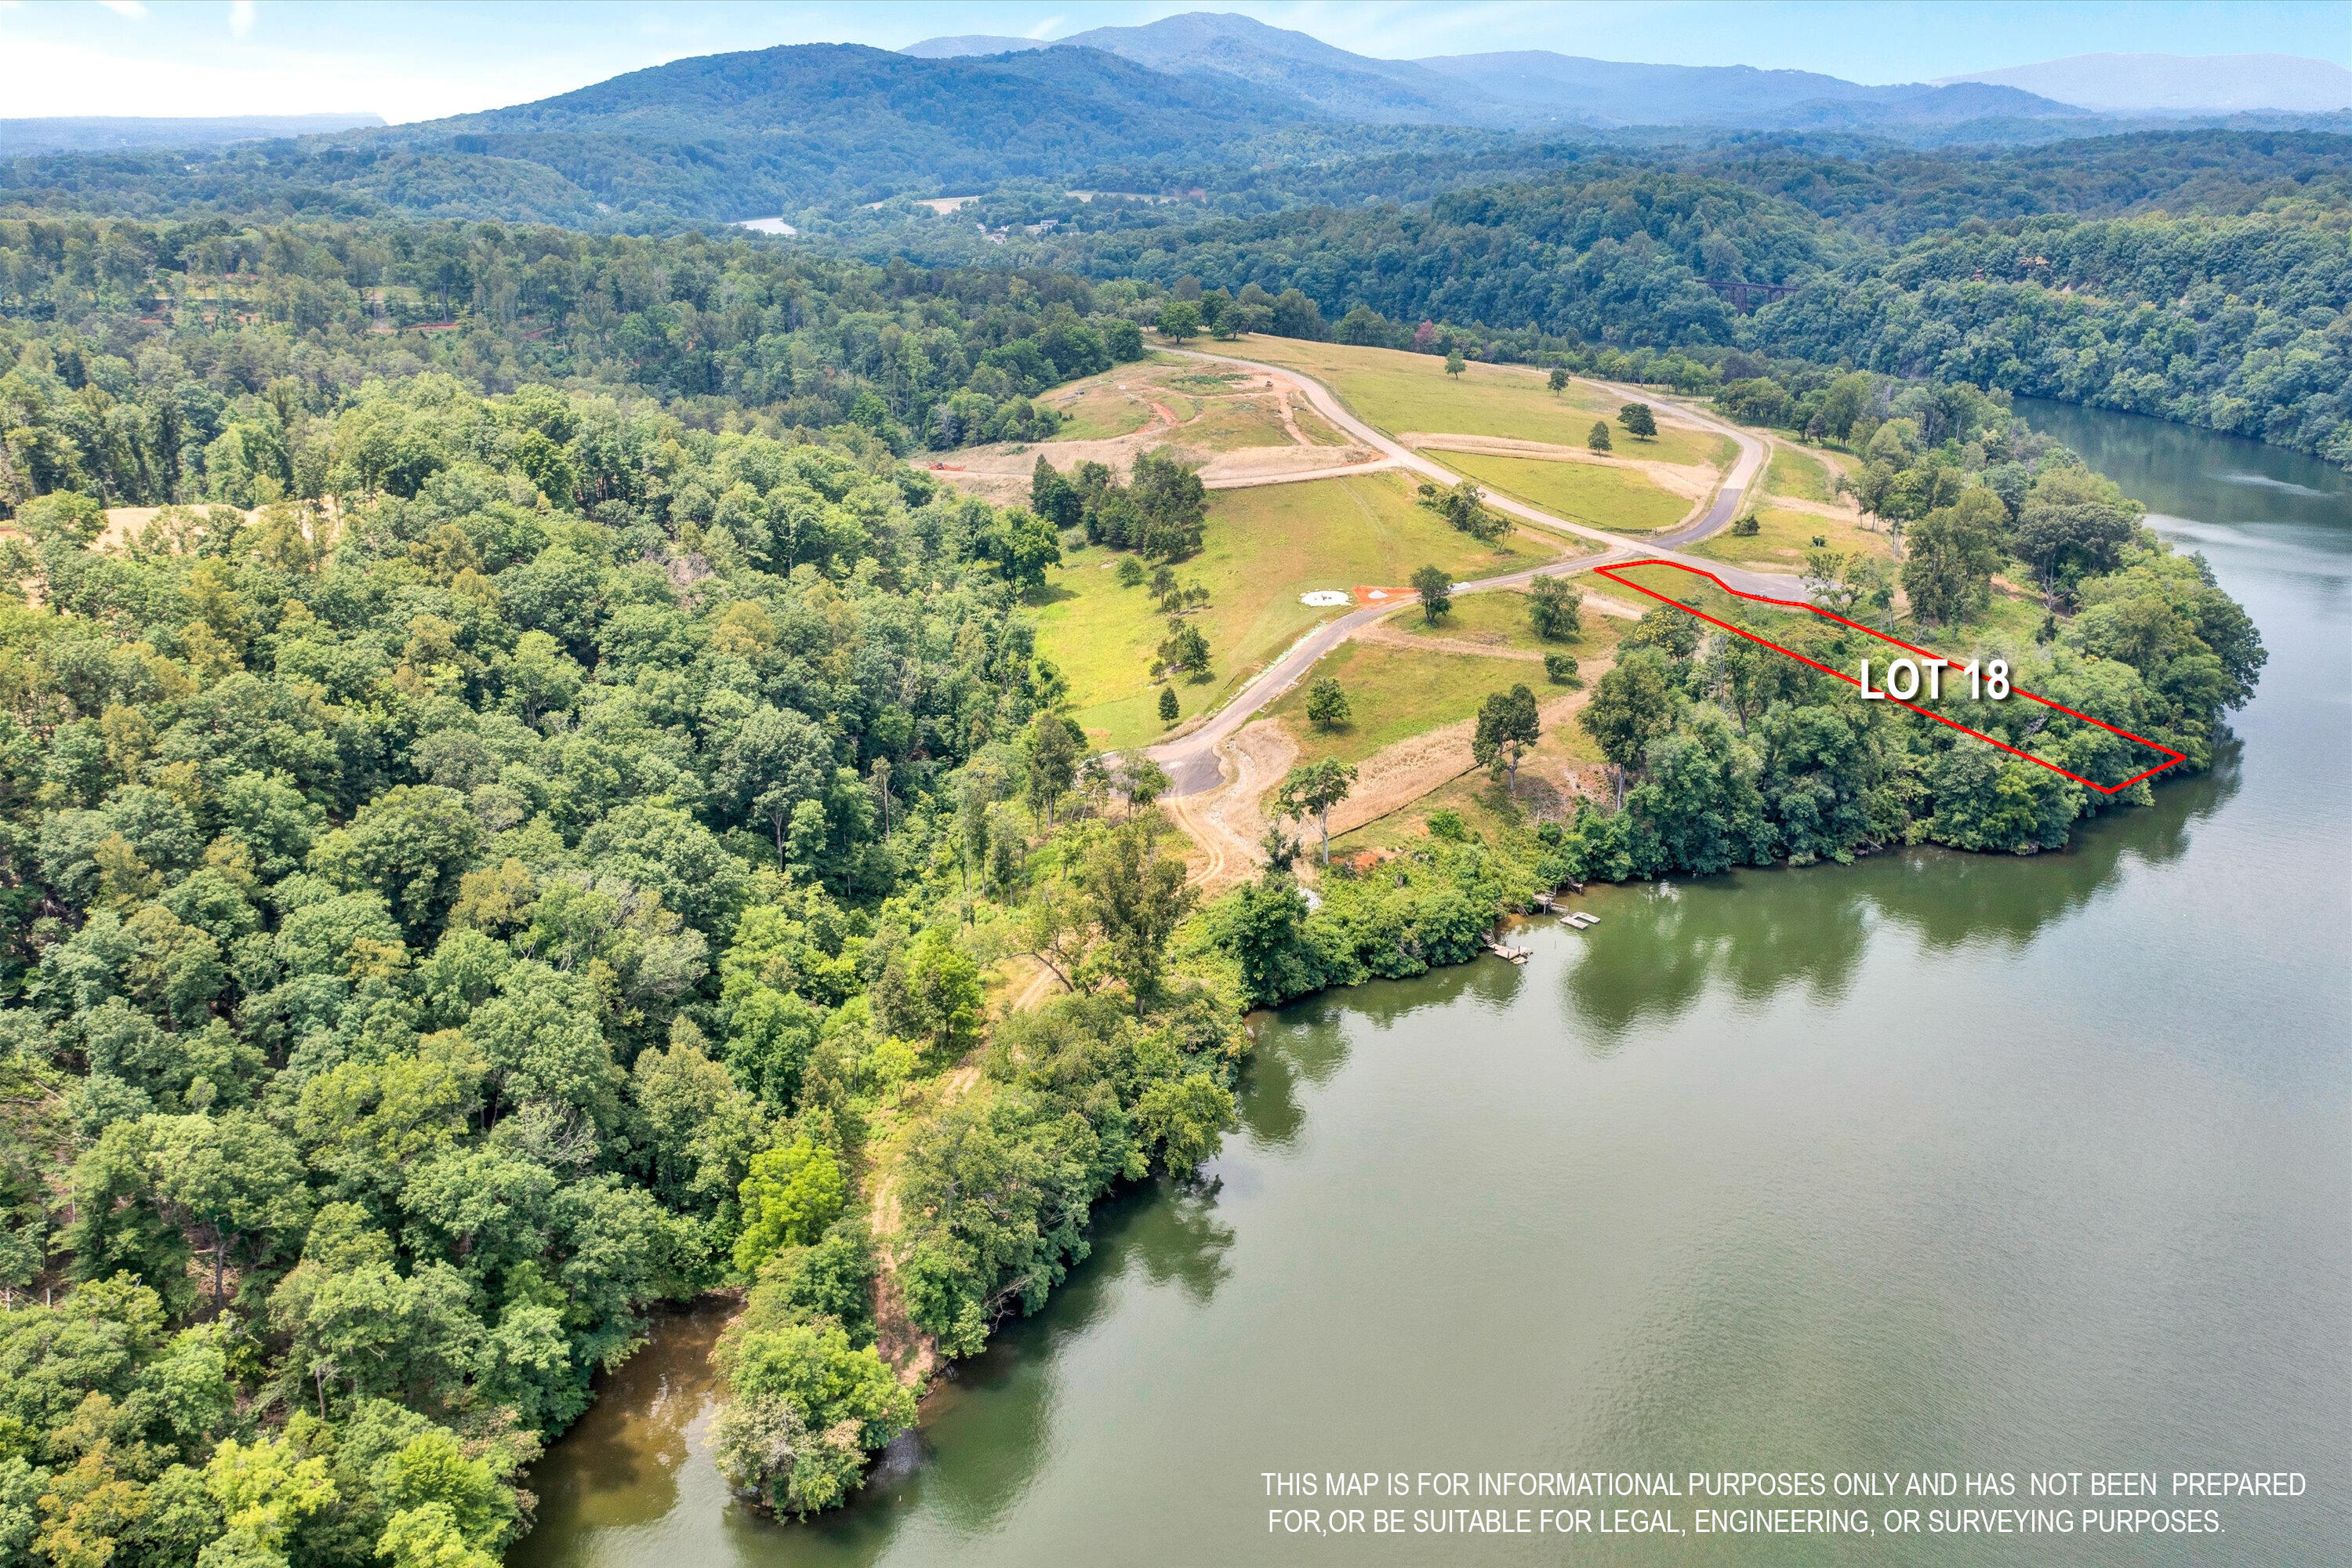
(447, 923)
(203, 360)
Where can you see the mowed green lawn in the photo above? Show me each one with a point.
(1623, 500)
(1495, 619)
(1784, 539)
(1499, 618)
(1401, 392)
(1798, 474)
(1265, 547)
(1397, 693)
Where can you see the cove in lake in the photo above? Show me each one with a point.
(1934, 1162)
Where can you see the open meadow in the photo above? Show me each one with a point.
(1405, 394)
(1621, 500)
(1264, 548)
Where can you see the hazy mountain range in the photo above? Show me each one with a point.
(1524, 90)
(78, 133)
(2183, 84)
(759, 132)
(1538, 87)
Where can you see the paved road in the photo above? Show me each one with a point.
(1190, 761)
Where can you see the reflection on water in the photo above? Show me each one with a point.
(639, 1453)
(2266, 482)
(1661, 947)
(1930, 1162)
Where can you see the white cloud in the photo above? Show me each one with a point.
(1046, 29)
(240, 18)
(130, 8)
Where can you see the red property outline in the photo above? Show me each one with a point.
(1611, 572)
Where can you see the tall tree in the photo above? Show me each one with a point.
(1180, 320)
(1555, 609)
(1954, 552)
(1508, 724)
(1631, 706)
(1052, 762)
(1136, 896)
(1327, 703)
(1436, 590)
(1313, 790)
(2074, 522)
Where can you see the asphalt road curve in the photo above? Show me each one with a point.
(1190, 760)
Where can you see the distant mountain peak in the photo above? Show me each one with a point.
(963, 44)
(2185, 84)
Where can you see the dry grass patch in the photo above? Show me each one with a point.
(1784, 539)
(1601, 495)
(1799, 474)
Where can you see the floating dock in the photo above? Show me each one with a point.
(1504, 950)
(1580, 920)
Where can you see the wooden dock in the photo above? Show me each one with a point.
(1580, 920)
(1504, 950)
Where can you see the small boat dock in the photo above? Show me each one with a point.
(1501, 949)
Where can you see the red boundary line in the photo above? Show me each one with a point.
(2172, 756)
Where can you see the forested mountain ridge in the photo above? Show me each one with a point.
(717, 137)
(2242, 324)
(1184, 102)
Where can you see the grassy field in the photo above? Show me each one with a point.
(1797, 474)
(1623, 500)
(1784, 539)
(1099, 412)
(1265, 547)
(1319, 431)
(1400, 391)
(2007, 626)
(1500, 620)
(1497, 620)
(1398, 693)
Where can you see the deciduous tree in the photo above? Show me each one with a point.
(1312, 790)
(1436, 590)
(1508, 724)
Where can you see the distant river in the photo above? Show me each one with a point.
(1931, 1163)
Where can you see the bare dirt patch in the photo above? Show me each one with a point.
(1226, 823)
(1382, 632)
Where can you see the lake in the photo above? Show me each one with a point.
(1934, 1164)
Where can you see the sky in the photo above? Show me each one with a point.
(408, 61)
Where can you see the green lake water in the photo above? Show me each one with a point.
(1930, 1164)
